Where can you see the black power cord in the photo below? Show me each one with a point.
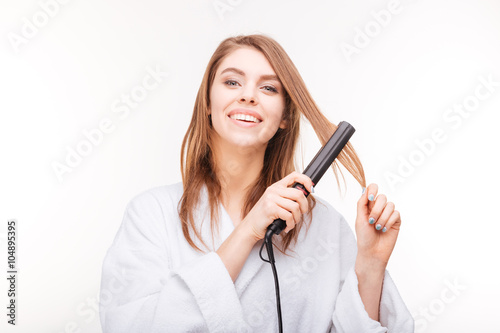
(268, 242)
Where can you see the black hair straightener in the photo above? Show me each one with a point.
(315, 170)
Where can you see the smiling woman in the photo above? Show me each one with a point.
(247, 105)
(190, 250)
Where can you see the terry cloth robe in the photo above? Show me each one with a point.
(153, 281)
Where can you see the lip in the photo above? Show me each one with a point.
(243, 123)
(245, 112)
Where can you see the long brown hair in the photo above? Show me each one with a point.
(197, 161)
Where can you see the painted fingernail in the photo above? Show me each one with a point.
(378, 227)
(370, 197)
(364, 189)
(384, 230)
(371, 220)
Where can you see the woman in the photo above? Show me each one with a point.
(186, 256)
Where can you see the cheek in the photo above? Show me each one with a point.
(219, 99)
(274, 118)
(278, 109)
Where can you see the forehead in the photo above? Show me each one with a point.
(249, 60)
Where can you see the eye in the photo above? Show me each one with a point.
(271, 89)
(231, 83)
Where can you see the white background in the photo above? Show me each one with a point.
(395, 91)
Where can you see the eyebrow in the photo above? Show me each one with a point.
(240, 72)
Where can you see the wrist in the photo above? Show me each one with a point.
(246, 234)
(235, 250)
(369, 267)
(370, 273)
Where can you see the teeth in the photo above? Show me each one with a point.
(245, 117)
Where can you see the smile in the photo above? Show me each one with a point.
(245, 117)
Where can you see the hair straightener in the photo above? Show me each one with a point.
(315, 170)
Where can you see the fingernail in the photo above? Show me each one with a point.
(378, 227)
(370, 197)
(371, 220)
(384, 230)
(364, 189)
(312, 189)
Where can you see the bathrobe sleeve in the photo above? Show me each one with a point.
(141, 292)
(350, 314)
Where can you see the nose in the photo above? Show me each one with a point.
(244, 99)
(247, 95)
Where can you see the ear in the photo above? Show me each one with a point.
(284, 119)
(283, 124)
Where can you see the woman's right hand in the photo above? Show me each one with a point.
(279, 201)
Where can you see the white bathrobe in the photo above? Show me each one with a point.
(153, 281)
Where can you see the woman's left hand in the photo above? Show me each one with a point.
(377, 226)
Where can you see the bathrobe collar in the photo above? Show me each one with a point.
(253, 263)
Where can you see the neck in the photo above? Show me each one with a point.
(237, 168)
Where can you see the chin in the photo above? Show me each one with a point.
(245, 143)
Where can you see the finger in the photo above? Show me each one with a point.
(384, 217)
(362, 203)
(367, 198)
(377, 210)
(371, 194)
(290, 206)
(295, 195)
(296, 177)
(394, 221)
(287, 217)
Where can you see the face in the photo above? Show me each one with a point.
(247, 100)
